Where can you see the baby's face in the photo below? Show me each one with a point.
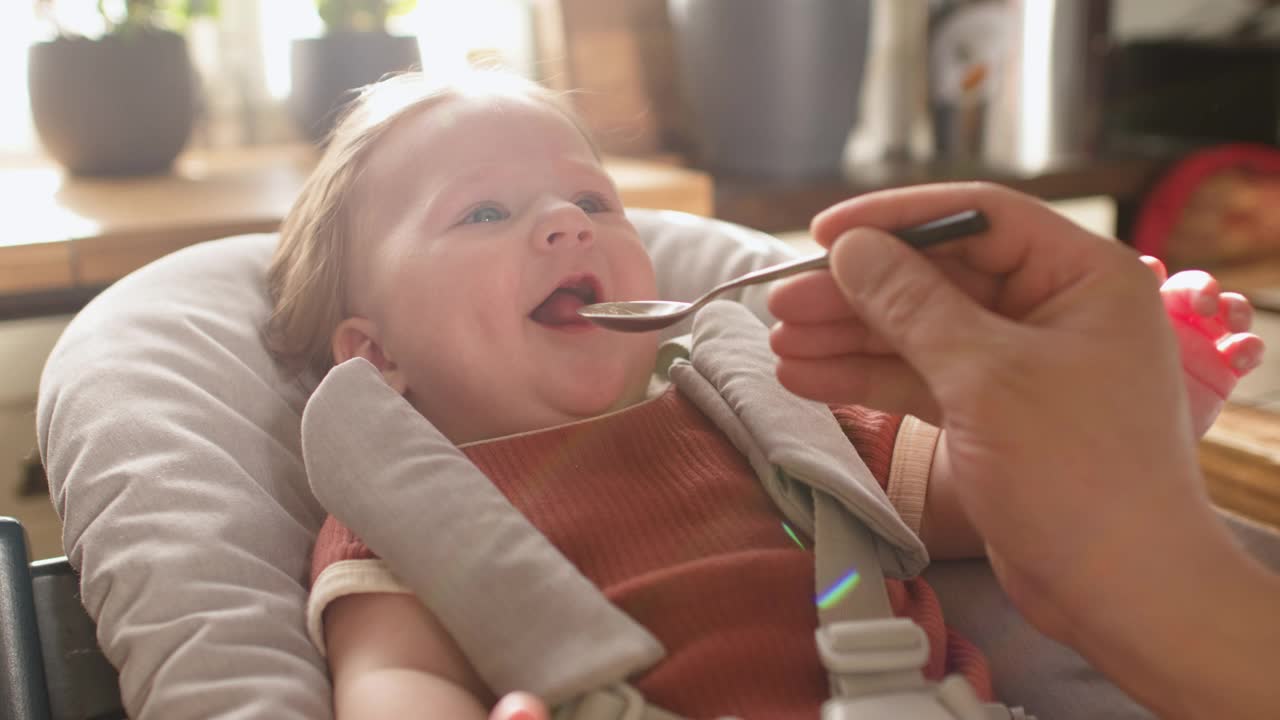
(482, 226)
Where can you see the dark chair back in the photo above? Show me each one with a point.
(51, 667)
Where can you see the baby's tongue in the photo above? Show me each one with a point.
(560, 308)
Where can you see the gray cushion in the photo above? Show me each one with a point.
(172, 446)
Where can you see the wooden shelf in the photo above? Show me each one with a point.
(781, 206)
(73, 236)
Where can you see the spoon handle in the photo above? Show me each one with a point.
(773, 272)
(969, 222)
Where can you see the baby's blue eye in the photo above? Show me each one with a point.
(485, 214)
(592, 204)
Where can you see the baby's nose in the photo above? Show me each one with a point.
(582, 235)
(566, 224)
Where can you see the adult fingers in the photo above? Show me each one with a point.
(819, 340)
(807, 299)
(1037, 250)
(907, 301)
(882, 382)
(1017, 220)
(1157, 267)
(815, 298)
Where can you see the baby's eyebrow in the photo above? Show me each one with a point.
(587, 168)
(593, 174)
(448, 190)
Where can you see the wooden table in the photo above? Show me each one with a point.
(1240, 457)
(70, 237)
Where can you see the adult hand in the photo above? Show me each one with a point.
(1044, 353)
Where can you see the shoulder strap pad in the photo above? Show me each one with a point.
(420, 504)
(728, 371)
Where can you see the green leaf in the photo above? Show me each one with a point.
(202, 8)
(360, 15)
(147, 14)
(401, 7)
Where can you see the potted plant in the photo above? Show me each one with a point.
(122, 102)
(355, 50)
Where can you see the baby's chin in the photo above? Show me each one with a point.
(535, 407)
(594, 406)
(598, 406)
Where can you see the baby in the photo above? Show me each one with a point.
(448, 236)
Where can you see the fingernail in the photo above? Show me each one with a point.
(1239, 317)
(1205, 305)
(1244, 362)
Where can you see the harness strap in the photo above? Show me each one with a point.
(866, 650)
(847, 570)
(873, 659)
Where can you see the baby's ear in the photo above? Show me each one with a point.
(358, 337)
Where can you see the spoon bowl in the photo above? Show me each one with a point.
(649, 315)
(636, 315)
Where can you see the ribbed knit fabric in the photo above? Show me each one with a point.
(872, 432)
(657, 508)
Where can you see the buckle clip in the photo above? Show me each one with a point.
(614, 702)
(887, 645)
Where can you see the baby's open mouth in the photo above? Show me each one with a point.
(561, 306)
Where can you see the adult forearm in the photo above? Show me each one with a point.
(1198, 638)
(1240, 679)
(397, 694)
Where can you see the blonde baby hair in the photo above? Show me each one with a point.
(307, 278)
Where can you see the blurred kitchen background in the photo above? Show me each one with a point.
(130, 129)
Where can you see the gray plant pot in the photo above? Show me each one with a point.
(121, 105)
(772, 85)
(327, 69)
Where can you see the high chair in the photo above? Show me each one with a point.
(172, 446)
(51, 667)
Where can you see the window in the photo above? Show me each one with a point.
(243, 58)
(18, 28)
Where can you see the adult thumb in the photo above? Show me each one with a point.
(898, 292)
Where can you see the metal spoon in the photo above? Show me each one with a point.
(646, 315)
